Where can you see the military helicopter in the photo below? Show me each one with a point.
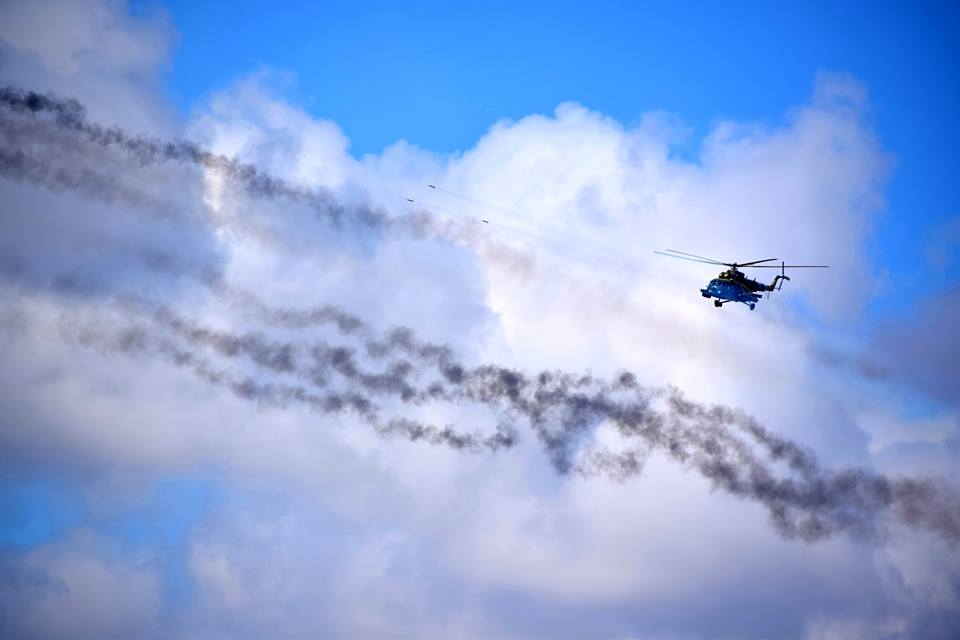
(732, 285)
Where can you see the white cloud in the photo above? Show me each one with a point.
(92, 50)
(80, 588)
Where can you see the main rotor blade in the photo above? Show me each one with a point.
(748, 264)
(709, 260)
(789, 266)
(670, 255)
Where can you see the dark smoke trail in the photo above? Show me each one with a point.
(37, 152)
(317, 363)
(20, 166)
(397, 340)
(726, 447)
(33, 118)
(69, 115)
(138, 340)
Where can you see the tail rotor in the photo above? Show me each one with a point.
(778, 279)
(783, 275)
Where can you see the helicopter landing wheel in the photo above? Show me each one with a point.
(752, 305)
(717, 304)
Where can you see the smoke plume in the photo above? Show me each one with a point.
(68, 115)
(47, 140)
(726, 447)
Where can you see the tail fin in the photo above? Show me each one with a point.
(779, 278)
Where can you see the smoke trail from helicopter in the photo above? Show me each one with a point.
(726, 447)
(69, 115)
(22, 132)
(135, 340)
(46, 140)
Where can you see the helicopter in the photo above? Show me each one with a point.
(732, 285)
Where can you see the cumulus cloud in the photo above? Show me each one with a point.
(80, 588)
(378, 582)
(923, 351)
(93, 50)
(558, 406)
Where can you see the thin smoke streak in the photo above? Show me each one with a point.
(68, 115)
(24, 162)
(137, 340)
(318, 362)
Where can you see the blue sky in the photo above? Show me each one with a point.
(440, 74)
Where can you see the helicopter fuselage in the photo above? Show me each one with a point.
(734, 286)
